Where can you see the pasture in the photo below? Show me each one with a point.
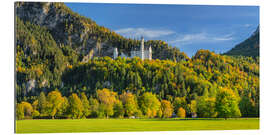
(127, 125)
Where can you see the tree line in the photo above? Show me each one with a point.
(108, 104)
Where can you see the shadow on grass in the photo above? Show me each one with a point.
(191, 119)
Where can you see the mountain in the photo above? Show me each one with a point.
(83, 34)
(50, 38)
(249, 47)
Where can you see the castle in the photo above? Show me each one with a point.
(141, 53)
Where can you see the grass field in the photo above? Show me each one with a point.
(125, 125)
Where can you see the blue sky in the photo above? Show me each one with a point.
(187, 27)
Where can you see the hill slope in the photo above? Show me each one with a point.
(83, 34)
(249, 47)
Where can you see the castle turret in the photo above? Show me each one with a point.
(150, 53)
(115, 53)
(142, 49)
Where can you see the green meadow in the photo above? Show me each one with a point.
(127, 125)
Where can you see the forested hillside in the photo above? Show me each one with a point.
(249, 47)
(52, 80)
(83, 34)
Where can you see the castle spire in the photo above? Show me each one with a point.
(115, 53)
(142, 43)
(150, 53)
(142, 48)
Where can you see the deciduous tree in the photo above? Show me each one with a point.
(75, 106)
(54, 102)
(86, 106)
(166, 108)
(149, 104)
(227, 104)
(181, 113)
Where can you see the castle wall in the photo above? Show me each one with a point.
(143, 53)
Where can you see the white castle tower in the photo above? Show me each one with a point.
(142, 49)
(150, 53)
(115, 53)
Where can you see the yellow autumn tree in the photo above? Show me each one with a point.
(181, 113)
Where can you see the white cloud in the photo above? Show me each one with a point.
(202, 37)
(224, 37)
(247, 25)
(149, 33)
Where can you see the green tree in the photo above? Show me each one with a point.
(130, 103)
(75, 106)
(54, 102)
(63, 109)
(159, 113)
(86, 106)
(193, 107)
(248, 107)
(42, 103)
(19, 111)
(118, 109)
(206, 107)
(149, 104)
(227, 104)
(94, 107)
(24, 110)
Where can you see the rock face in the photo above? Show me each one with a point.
(30, 86)
(66, 27)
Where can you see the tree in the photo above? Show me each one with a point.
(35, 112)
(107, 100)
(130, 103)
(19, 111)
(206, 107)
(118, 109)
(54, 102)
(75, 106)
(181, 113)
(86, 106)
(35, 105)
(94, 107)
(227, 104)
(193, 108)
(166, 108)
(24, 109)
(159, 113)
(42, 103)
(179, 102)
(63, 109)
(149, 104)
(248, 106)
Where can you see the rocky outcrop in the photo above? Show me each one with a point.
(65, 26)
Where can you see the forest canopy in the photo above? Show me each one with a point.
(54, 81)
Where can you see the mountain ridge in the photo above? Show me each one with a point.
(249, 47)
